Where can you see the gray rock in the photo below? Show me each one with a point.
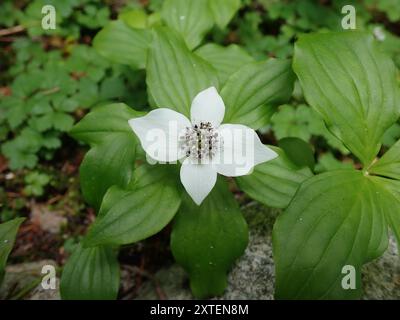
(253, 275)
(23, 281)
(48, 220)
(381, 278)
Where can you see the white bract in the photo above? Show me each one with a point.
(205, 146)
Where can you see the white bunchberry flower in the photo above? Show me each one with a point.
(205, 146)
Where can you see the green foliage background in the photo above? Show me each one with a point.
(50, 79)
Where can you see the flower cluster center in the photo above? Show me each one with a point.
(200, 142)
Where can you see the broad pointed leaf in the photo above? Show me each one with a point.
(390, 190)
(91, 274)
(252, 93)
(175, 75)
(274, 183)
(389, 164)
(110, 163)
(223, 11)
(103, 122)
(352, 84)
(226, 60)
(135, 18)
(141, 212)
(112, 157)
(122, 44)
(191, 18)
(8, 232)
(335, 219)
(298, 151)
(206, 240)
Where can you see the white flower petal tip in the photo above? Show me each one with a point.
(208, 106)
(242, 150)
(198, 180)
(159, 131)
(265, 154)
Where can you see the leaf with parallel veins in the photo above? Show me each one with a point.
(175, 75)
(352, 84)
(335, 219)
(206, 240)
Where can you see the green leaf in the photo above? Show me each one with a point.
(21, 151)
(88, 94)
(62, 121)
(112, 88)
(390, 190)
(274, 183)
(206, 240)
(121, 44)
(26, 83)
(226, 60)
(352, 84)
(112, 157)
(290, 121)
(328, 162)
(251, 93)
(191, 18)
(136, 18)
(91, 274)
(389, 7)
(389, 164)
(391, 135)
(175, 75)
(65, 104)
(223, 11)
(303, 122)
(51, 140)
(15, 112)
(298, 151)
(42, 123)
(110, 163)
(141, 212)
(8, 232)
(35, 183)
(111, 197)
(103, 122)
(335, 219)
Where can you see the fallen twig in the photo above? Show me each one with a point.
(11, 30)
